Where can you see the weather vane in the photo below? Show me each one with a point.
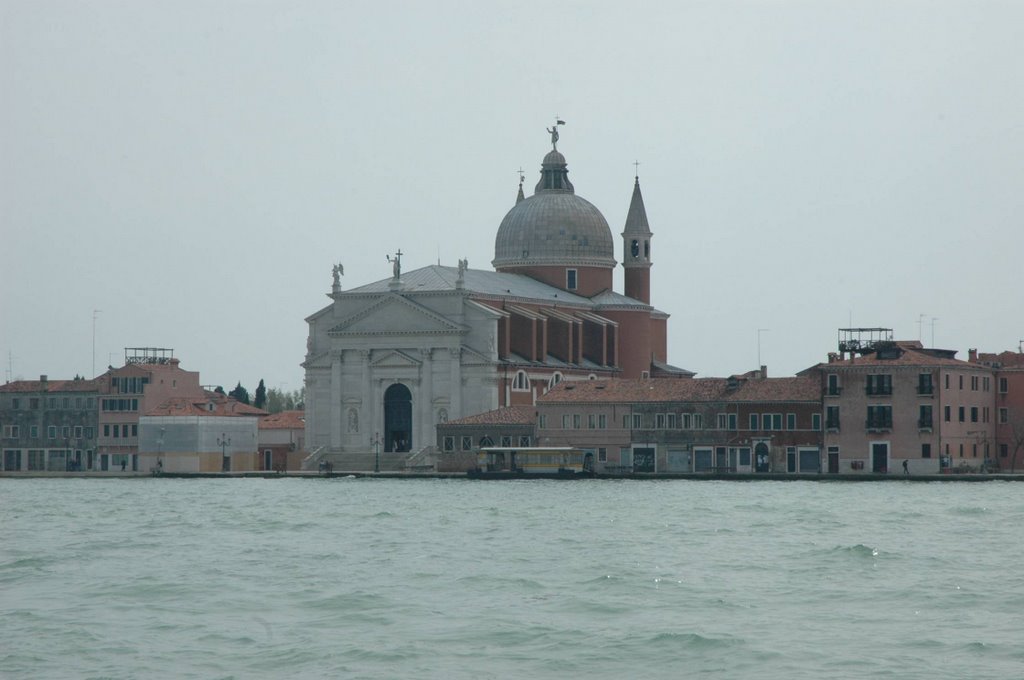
(554, 132)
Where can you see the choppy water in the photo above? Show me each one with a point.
(249, 578)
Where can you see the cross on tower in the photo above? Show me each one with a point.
(636, 169)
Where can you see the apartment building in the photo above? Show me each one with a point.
(48, 425)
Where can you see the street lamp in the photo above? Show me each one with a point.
(223, 442)
(376, 452)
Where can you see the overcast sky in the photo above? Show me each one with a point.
(194, 169)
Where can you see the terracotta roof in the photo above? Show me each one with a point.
(911, 354)
(509, 415)
(50, 386)
(620, 390)
(194, 406)
(285, 420)
(1006, 359)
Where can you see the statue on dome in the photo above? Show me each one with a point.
(554, 133)
(463, 266)
(396, 264)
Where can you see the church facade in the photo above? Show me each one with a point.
(387, 361)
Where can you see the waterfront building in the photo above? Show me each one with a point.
(388, 361)
(48, 425)
(1009, 405)
(745, 423)
(886, 401)
(214, 433)
(149, 377)
(282, 440)
(459, 441)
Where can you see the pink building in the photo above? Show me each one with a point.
(282, 440)
(890, 403)
(1009, 414)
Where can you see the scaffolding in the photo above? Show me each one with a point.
(148, 355)
(864, 340)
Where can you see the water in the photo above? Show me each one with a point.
(252, 578)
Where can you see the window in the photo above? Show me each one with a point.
(986, 384)
(637, 421)
(1004, 386)
(698, 421)
(815, 421)
(542, 422)
(506, 441)
(1004, 450)
(790, 421)
(449, 444)
(555, 378)
(570, 279)
(745, 456)
(833, 385)
(592, 421)
(723, 421)
(602, 421)
(467, 443)
(15, 403)
(945, 413)
(962, 414)
(879, 384)
(65, 432)
(89, 432)
(924, 417)
(766, 421)
(984, 414)
(961, 382)
(521, 382)
(926, 450)
(67, 402)
(974, 414)
(1004, 415)
(776, 421)
(36, 460)
(524, 440)
(732, 421)
(33, 403)
(947, 381)
(671, 424)
(117, 431)
(832, 417)
(686, 421)
(924, 383)
(879, 417)
(51, 432)
(78, 402)
(78, 431)
(659, 421)
(52, 402)
(566, 421)
(602, 455)
(33, 431)
(577, 421)
(974, 383)
(754, 421)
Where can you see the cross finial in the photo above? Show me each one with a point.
(636, 169)
(522, 175)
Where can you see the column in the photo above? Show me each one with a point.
(456, 377)
(369, 405)
(335, 407)
(425, 432)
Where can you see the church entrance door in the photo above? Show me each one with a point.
(397, 419)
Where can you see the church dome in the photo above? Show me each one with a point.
(554, 226)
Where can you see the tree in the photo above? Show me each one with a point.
(240, 393)
(218, 389)
(280, 400)
(1016, 432)
(261, 395)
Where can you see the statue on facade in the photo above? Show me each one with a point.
(353, 420)
(396, 264)
(337, 272)
(554, 133)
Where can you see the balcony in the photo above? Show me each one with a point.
(924, 425)
(878, 390)
(926, 390)
(833, 391)
(878, 425)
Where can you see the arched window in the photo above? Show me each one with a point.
(556, 378)
(521, 382)
(486, 441)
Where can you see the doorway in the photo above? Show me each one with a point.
(880, 457)
(397, 419)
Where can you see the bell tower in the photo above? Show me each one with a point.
(636, 249)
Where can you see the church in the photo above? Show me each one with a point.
(387, 361)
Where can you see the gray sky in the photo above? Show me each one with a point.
(193, 169)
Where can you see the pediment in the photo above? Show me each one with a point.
(395, 359)
(395, 315)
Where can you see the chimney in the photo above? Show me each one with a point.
(972, 356)
(764, 371)
(833, 357)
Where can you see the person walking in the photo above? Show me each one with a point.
(906, 470)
